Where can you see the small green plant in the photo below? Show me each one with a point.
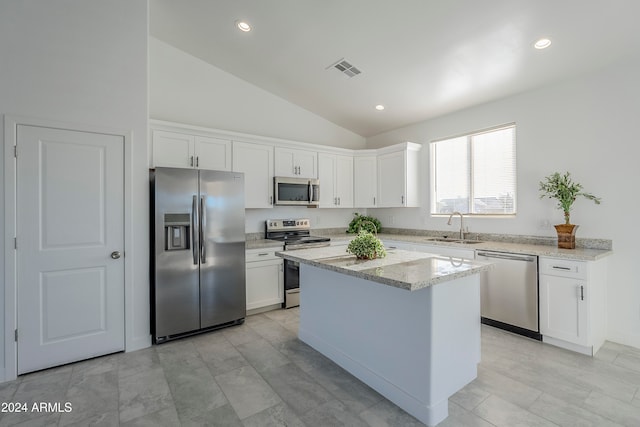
(563, 189)
(364, 222)
(366, 246)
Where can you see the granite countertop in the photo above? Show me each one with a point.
(262, 244)
(401, 269)
(578, 254)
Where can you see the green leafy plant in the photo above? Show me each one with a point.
(365, 223)
(565, 191)
(366, 246)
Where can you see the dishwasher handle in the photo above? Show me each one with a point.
(511, 257)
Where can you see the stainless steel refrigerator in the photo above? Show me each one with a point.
(197, 251)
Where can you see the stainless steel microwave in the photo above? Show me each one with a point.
(296, 191)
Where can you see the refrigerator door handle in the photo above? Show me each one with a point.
(203, 225)
(194, 236)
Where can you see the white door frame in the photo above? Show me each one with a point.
(10, 369)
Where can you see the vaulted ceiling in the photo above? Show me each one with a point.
(418, 58)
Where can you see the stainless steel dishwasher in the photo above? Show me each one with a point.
(509, 292)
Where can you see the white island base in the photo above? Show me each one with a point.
(416, 348)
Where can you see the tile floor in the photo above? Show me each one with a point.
(259, 374)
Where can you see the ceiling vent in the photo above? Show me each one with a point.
(345, 68)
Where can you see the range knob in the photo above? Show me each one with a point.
(297, 222)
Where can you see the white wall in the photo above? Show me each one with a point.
(85, 62)
(588, 126)
(185, 89)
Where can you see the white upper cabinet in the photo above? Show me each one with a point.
(182, 150)
(398, 176)
(335, 173)
(365, 181)
(212, 153)
(256, 162)
(296, 163)
(172, 149)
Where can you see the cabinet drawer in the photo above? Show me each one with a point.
(267, 254)
(563, 268)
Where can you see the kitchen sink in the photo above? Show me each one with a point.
(463, 241)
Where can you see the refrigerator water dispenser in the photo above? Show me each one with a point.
(176, 232)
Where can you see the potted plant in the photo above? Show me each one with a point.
(362, 221)
(565, 191)
(366, 246)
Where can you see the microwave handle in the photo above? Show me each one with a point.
(310, 192)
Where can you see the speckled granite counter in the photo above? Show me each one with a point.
(579, 254)
(401, 269)
(262, 244)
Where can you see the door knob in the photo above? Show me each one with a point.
(115, 254)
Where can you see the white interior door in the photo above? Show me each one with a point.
(70, 228)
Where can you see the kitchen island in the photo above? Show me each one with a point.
(408, 325)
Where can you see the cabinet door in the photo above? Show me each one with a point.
(212, 153)
(327, 175)
(285, 162)
(344, 181)
(447, 251)
(307, 162)
(265, 283)
(296, 163)
(365, 184)
(172, 149)
(392, 244)
(256, 162)
(563, 308)
(391, 180)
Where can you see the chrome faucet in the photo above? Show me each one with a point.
(461, 223)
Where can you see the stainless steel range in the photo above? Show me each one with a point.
(296, 234)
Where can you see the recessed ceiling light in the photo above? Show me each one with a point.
(542, 44)
(243, 26)
(379, 107)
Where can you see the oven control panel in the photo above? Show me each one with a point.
(288, 224)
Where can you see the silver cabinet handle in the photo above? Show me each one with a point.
(558, 267)
(338, 201)
(270, 200)
(115, 254)
(191, 161)
(374, 201)
(335, 200)
(402, 199)
(203, 225)
(197, 161)
(581, 293)
(263, 254)
(194, 233)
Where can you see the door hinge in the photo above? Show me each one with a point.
(16, 335)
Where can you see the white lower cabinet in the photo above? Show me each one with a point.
(442, 250)
(390, 245)
(264, 278)
(572, 303)
(447, 251)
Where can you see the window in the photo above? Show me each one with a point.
(475, 174)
